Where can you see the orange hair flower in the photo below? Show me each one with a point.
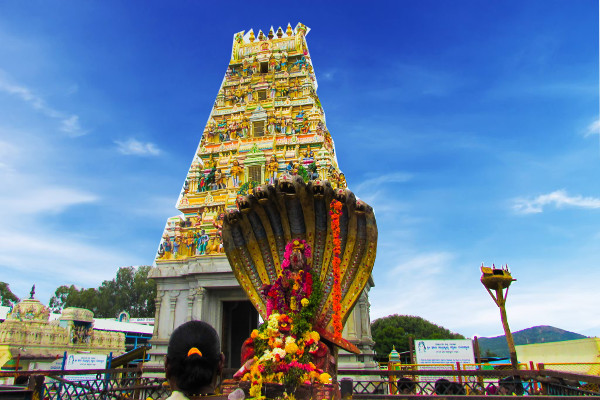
(194, 350)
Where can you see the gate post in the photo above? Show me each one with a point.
(346, 385)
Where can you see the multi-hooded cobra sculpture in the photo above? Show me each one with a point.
(255, 238)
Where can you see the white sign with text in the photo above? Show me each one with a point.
(443, 354)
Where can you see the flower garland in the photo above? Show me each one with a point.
(335, 210)
(285, 343)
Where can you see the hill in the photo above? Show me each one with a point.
(537, 334)
(394, 330)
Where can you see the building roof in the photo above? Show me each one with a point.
(110, 324)
(4, 310)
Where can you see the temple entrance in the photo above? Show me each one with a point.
(239, 319)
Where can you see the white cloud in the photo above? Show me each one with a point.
(423, 264)
(593, 128)
(71, 126)
(439, 288)
(374, 182)
(51, 258)
(135, 147)
(69, 123)
(558, 198)
(32, 251)
(52, 199)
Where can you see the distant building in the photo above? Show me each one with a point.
(30, 340)
(578, 356)
(138, 331)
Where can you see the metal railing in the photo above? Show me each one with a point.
(473, 381)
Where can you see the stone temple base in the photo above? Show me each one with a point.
(205, 288)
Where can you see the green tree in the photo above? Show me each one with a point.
(130, 291)
(58, 301)
(394, 330)
(7, 298)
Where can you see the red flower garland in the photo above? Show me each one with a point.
(335, 210)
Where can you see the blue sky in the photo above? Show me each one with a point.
(472, 127)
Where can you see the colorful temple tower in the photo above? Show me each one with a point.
(267, 120)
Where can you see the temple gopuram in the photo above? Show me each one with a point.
(266, 121)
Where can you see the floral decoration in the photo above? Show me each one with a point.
(285, 343)
(335, 210)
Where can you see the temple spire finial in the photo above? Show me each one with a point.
(32, 293)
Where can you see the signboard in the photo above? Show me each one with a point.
(84, 361)
(444, 351)
(443, 354)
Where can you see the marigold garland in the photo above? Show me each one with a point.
(335, 210)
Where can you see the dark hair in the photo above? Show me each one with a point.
(195, 371)
(406, 385)
(444, 386)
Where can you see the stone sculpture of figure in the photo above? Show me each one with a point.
(312, 171)
(283, 91)
(211, 163)
(289, 167)
(239, 95)
(245, 125)
(210, 179)
(278, 125)
(289, 127)
(202, 241)
(272, 168)
(272, 63)
(342, 181)
(271, 125)
(255, 66)
(320, 127)
(219, 226)
(201, 184)
(249, 92)
(167, 247)
(189, 244)
(198, 221)
(273, 91)
(176, 244)
(305, 127)
(232, 130)
(245, 67)
(293, 284)
(309, 156)
(283, 62)
(235, 172)
(186, 186)
(219, 184)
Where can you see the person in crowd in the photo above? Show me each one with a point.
(194, 361)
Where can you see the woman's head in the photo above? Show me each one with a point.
(194, 358)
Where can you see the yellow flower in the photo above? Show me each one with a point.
(291, 348)
(255, 390)
(254, 334)
(325, 378)
(315, 336)
(304, 302)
